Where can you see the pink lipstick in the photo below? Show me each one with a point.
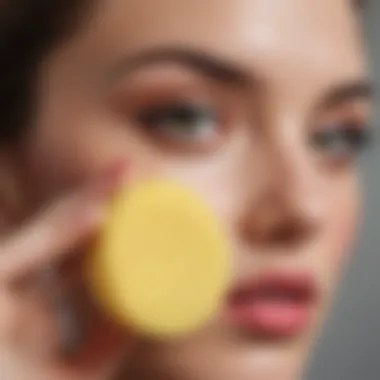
(276, 304)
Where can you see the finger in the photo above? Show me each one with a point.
(60, 227)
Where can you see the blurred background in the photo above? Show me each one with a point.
(350, 346)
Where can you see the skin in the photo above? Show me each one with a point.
(292, 56)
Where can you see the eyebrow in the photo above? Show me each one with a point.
(359, 4)
(206, 64)
(360, 89)
(227, 73)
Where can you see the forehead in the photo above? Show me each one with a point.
(280, 39)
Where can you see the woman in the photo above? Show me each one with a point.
(259, 105)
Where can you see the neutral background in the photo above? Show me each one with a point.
(350, 347)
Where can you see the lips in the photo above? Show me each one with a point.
(277, 304)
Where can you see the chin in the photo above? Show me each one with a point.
(221, 352)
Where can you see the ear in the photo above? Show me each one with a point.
(11, 199)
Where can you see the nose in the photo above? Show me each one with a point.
(288, 206)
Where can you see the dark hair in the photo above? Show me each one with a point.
(28, 30)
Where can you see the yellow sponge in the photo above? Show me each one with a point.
(161, 264)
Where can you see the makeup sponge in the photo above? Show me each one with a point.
(161, 264)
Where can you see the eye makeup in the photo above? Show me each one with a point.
(183, 115)
(343, 133)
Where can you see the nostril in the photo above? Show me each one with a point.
(284, 216)
(290, 232)
(282, 231)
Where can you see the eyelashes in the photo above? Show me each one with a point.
(182, 122)
(198, 125)
(180, 113)
(342, 140)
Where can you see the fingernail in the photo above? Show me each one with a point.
(116, 172)
(93, 199)
(111, 179)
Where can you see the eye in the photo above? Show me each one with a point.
(341, 141)
(185, 123)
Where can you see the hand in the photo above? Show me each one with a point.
(31, 331)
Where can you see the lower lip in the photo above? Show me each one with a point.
(271, 318)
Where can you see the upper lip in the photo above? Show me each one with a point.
(301, 285)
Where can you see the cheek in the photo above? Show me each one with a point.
(342, 227)
(67, 154)
(221, 179)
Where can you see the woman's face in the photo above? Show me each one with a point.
(258, 105)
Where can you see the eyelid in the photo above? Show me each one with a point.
(130, 99)
(173, 82)
(151, 95)
(359, 108)
(163, 79)
(353, 113)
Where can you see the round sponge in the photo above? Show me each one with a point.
(161, 264)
